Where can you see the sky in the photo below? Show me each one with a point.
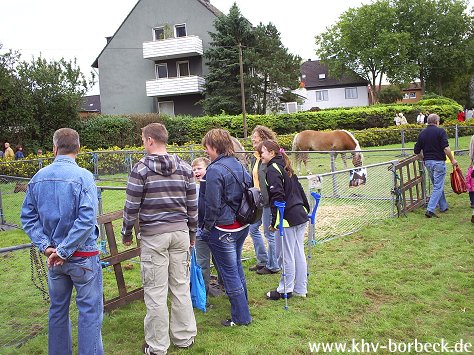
(58, 29)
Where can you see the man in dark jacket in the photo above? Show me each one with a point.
(433, 146)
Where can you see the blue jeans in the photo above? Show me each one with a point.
(269, 259)
(437, 173)
(226, 247)
(85, 275)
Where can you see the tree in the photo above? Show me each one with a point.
(439, 31)
(16, 109)
(269, 70)
(364, 41)
(275, 72)
(38, 97)
(222, 88)
(390, 94)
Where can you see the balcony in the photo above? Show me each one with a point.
(173, 48)
(184, 85)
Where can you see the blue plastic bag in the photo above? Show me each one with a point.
(198, 288)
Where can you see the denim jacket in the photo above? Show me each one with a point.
(60, 208)
(218, 190)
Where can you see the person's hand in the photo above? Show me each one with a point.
(192, 241)
(454, 162)
(55, 260)
(271, 229)
(48, 251)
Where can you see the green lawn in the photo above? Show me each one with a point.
(403, 279)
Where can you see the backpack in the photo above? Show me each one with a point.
(251, 206)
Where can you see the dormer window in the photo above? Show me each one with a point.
(322, 76)
(180, 30)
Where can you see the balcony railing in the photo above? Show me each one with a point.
(183, 85)
(173, 48)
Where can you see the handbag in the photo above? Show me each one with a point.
(457, 181)
(198, 288)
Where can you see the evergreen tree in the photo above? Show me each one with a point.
(222, 88)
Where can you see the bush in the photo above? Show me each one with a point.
(105, 131)
(390, 94)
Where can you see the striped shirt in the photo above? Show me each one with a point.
(161, 193)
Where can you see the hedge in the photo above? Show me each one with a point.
(123, 131)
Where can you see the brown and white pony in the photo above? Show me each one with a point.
(329, 140)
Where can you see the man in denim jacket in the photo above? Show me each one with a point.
(59, 215)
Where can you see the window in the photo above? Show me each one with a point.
(166, 108)
(322, 76)
(161, 70)
(351, 93)
(183, 68)
(158, 33)
(409, 95)
(180, 30)
(322, 95)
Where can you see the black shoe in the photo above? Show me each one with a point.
(472, 219)
(256, 267)
(275, 295)
(228, 323)
(146, 349)
(446, 210)
(265, 271)
(430, 214)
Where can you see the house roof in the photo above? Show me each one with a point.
(205, 3)
(313, 70)
(91, 103)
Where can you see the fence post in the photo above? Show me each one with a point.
(2, 220)
(403, 142)
(333, 169)
(101, 211)
(456, 138)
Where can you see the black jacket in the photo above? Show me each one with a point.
(283, 188)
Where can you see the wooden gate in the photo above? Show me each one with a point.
(410, 184)
(115, 259)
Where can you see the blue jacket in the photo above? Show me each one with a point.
(60, 208)
(218, 190)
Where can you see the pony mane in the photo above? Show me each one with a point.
(357, 147)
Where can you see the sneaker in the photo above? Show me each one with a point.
(187, 346)
(215, 290)
(266, 271)
(228, 323)
(472, 219)
(446, 210)
(256, 267)
(146, 349)
(275, 295)
(296, 294)
(430, 214)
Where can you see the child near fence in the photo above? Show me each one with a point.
(283, 185)
(470, 177)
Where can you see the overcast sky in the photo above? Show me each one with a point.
(56, 29)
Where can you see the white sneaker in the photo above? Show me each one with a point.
(296, 294)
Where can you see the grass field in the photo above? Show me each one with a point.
(404, 279)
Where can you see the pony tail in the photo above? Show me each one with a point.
(288, 167)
